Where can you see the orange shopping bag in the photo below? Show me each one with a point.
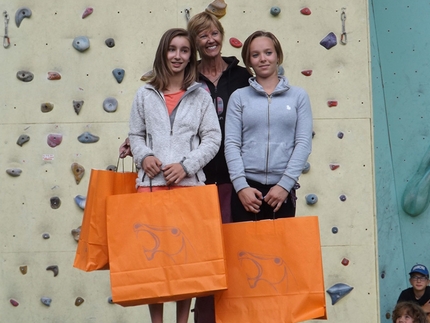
(165, 245)
(274, 271)
(92, 250)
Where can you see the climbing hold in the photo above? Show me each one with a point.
(340, 134)
(110, 300)
(55, 202)
(235, 42)
(306, 168)
(329, 41)
(110, 42)
(80, 201)
(383, 274)
(416, 196)
(54, 139)
(112, 168)
(25, 76)
(305, 11)
(46, 236)
(307, 72)
(20, 14)
(87, 12)
(81, 43)
(54, 269)
(281, 70)
(14, 302)
(334, 230)
(53, 76)
(79, 301)
(334, 166)
(46, 301)
(76, 233)
(88, 138)
(23, 269)
(313, 134)
(78, 172)
(345, 262)
(46, 107)
(274, 11)
(332, 104)
(118, 73)
(22, 140)
(14, 172)
(146, 76)
(77, 106)
(217, 8)
(342, 198)
(110, 104)
(311, 199)
(388, 315)
(338, 291)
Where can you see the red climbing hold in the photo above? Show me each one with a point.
(235, 42)
(345, 262)
(332, 104)
(87, 12)
(14, 302)
(334, 166)
(305, 11)
(307, 72)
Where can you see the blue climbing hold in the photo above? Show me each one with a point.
(118, 73)
(329, 41)
(338, 291)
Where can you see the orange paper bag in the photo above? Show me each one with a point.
(165, 245)
(274, 271)
(92, 251)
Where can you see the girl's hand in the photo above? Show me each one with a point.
(276, 196)
(124, 149)
(251, 199)
(152, 166)
(174, 173)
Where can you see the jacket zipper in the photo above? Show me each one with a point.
(269, 99)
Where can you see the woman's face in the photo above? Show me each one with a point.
(263, 57)
(178, 54)
(209, 42)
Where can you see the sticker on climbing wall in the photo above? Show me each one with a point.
(48, 157)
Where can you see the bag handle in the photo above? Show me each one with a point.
(133, 165)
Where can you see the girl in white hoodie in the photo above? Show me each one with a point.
(174, 129)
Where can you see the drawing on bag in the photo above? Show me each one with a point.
(165, 240)
(264, 269)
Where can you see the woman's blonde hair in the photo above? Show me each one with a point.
(161, 72)
(201, 22)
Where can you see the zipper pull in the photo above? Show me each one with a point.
(269, 97)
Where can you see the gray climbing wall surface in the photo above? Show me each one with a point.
(69, 74)
(400, 68)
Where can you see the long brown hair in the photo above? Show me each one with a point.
(161, 72)
(246, 56)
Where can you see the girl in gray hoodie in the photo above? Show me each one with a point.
(174, 129)
(268, 134)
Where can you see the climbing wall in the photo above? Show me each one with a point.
(400, 68)
(69, 75)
